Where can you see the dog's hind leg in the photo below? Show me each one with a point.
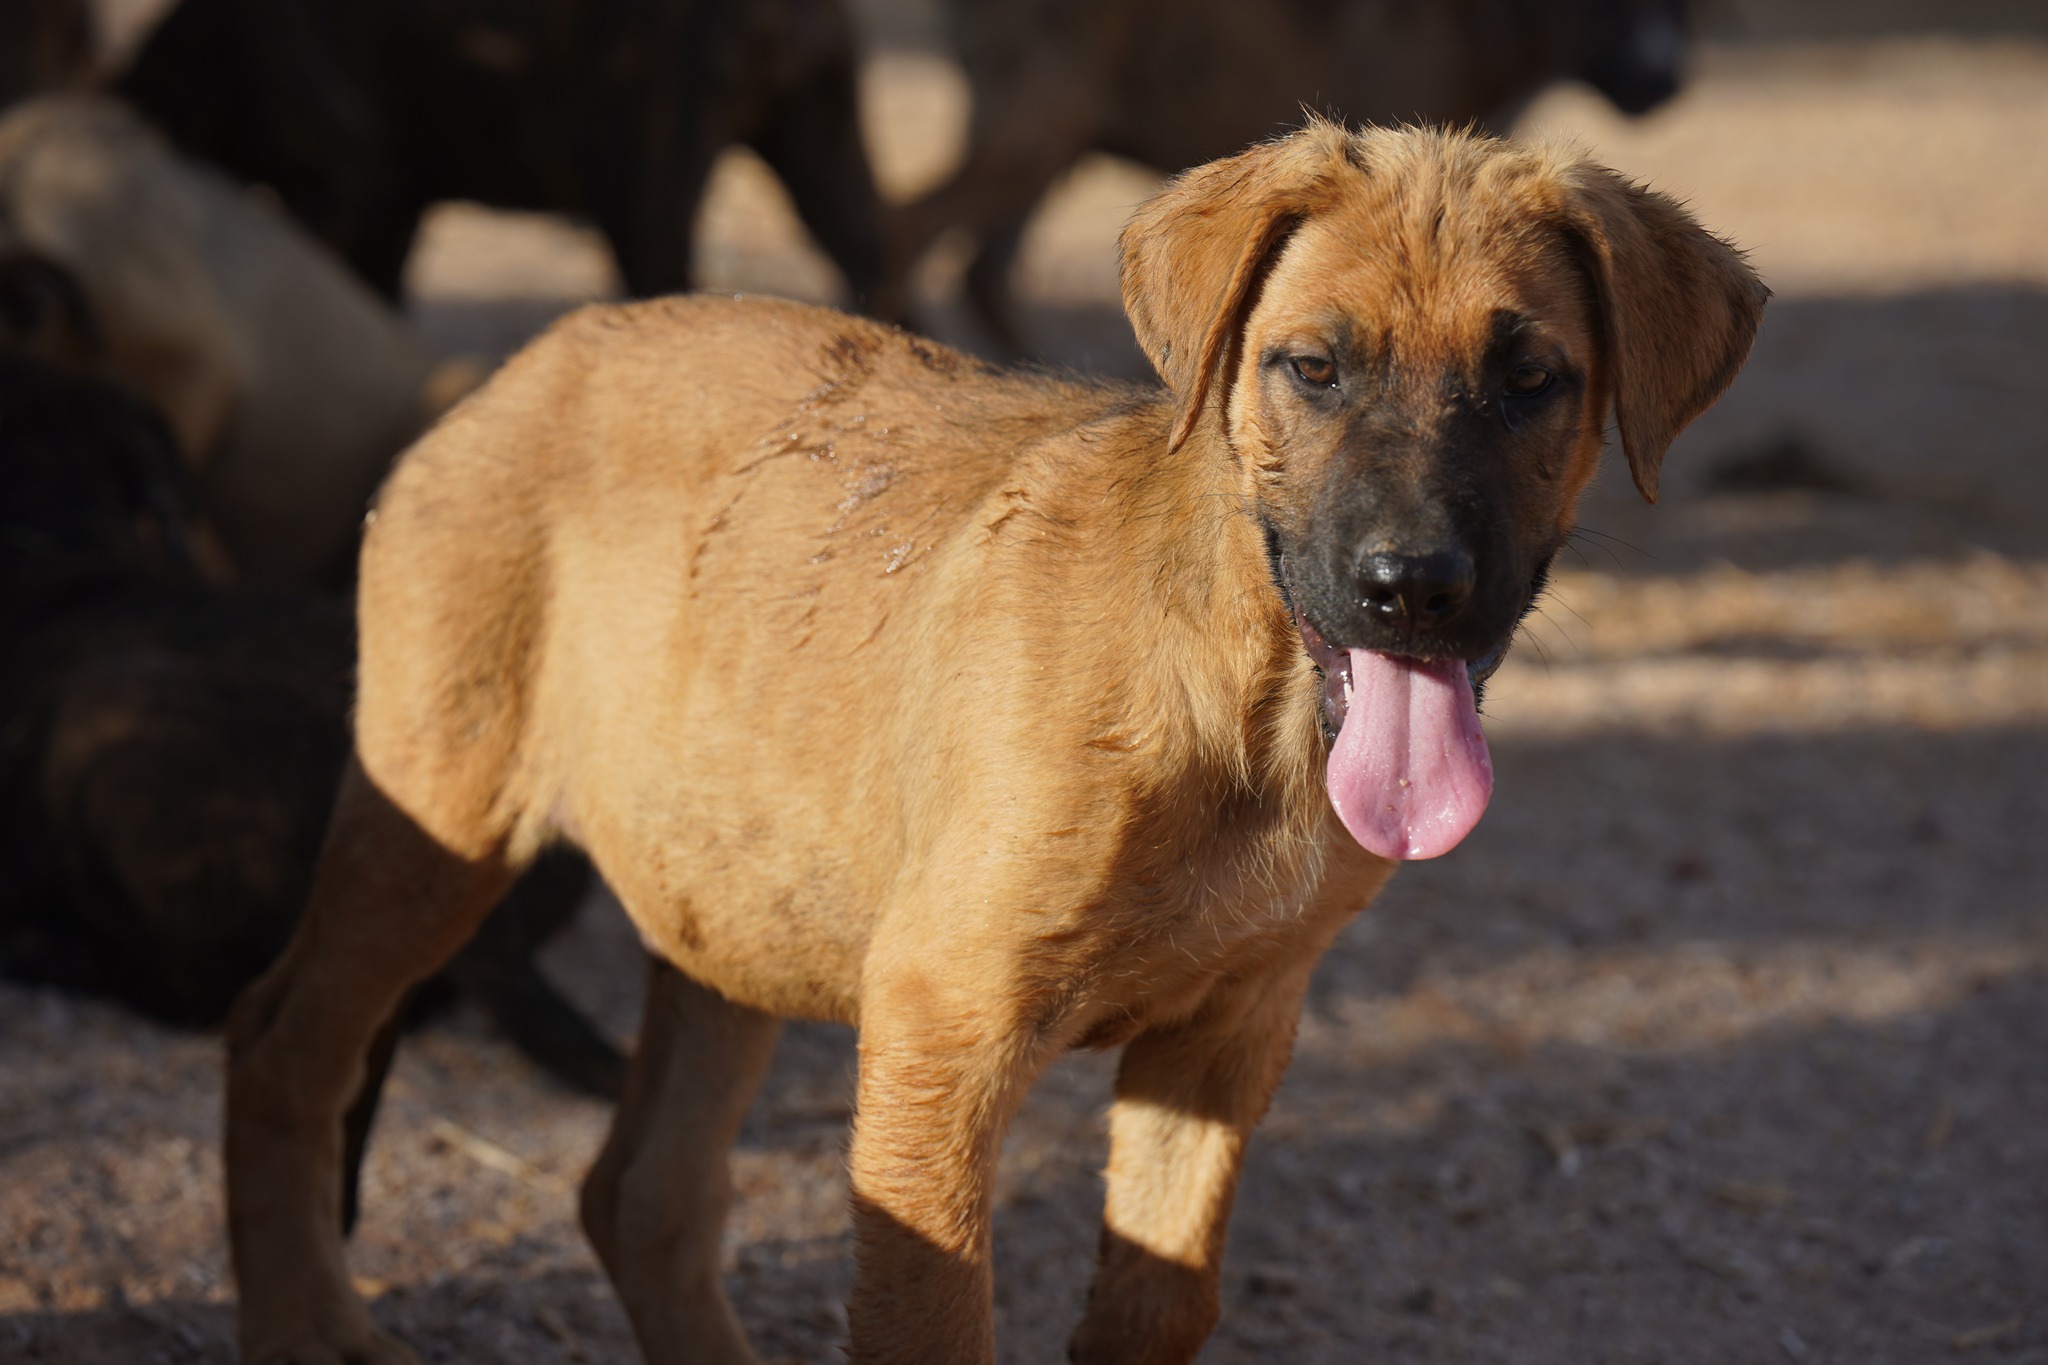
(390, 905)
(988, 285)
(811, 139)
(655, 1202)
(498, 967)
(362, 1114)
(1187, 1098)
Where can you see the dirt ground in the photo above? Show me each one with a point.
(1725, 1038)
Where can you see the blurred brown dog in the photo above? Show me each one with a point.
(992, 712)
(1173, 83)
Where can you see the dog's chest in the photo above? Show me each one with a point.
(1145, 949)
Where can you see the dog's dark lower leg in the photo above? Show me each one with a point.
(654, 1203)
(497, 967)
(362, 1115)
(988, 287)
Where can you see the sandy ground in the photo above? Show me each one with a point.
(1725, 1039)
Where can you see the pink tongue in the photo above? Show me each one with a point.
(1409, 773)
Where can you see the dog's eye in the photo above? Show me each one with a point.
(1318, 370)
(1526, 381)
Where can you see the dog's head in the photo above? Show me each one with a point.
(1410, 341)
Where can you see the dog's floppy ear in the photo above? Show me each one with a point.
(1678, 306)
(1193, 254)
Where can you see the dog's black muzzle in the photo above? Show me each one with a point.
(1432, 600)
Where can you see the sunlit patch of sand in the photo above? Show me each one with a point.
(1936, 644)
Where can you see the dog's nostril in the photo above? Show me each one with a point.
(1425, 590)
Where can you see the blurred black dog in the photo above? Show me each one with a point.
(169, 750)
(360, 113)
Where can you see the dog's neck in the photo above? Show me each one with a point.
(1176, 563)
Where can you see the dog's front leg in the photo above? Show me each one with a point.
(940, 1075)
(1187, 1098)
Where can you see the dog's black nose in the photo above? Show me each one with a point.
(1425, 590)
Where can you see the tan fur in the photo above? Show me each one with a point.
(887, 688)
(288, 385)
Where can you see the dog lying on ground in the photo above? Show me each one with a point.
(1173, 83)
(169, 750)
(999, 714)
(360, 115)
(288, 385)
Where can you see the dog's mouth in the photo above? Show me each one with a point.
(1335, 666)
(1408, 770)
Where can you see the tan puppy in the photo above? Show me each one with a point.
(990, 712)
(288, 385)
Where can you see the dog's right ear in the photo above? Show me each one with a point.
(1679, 309)
(1192, 256)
